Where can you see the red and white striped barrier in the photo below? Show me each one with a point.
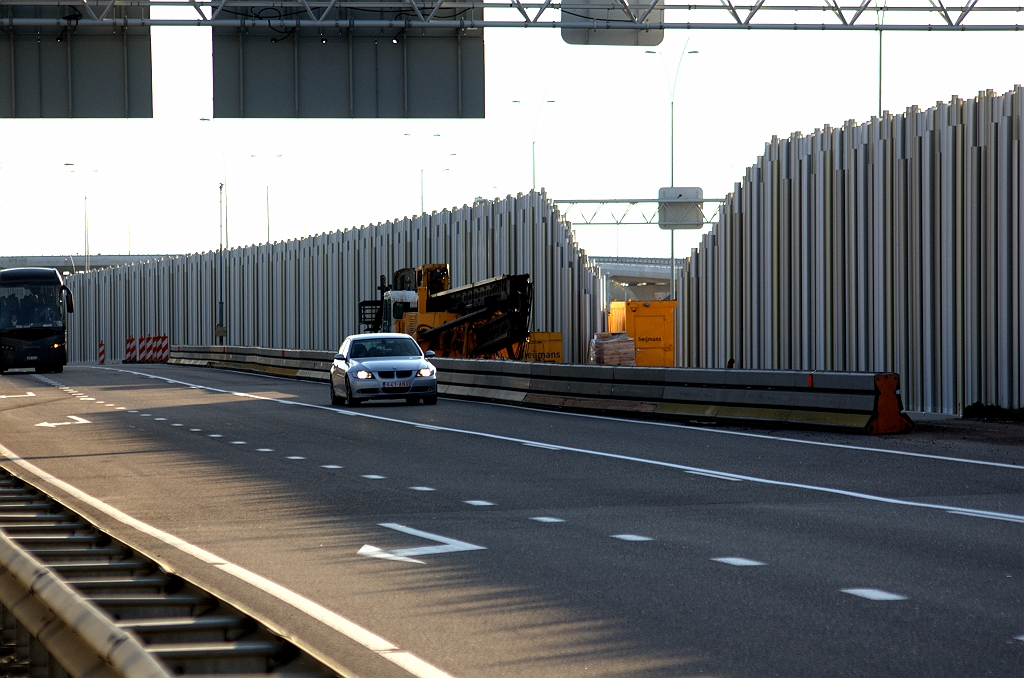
(103, 354)
(152, 348)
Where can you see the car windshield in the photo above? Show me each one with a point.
(385, 347)
(30, 306)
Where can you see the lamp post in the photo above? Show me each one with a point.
(423, 170)
(672, 144)
(224, 189)
(533, 140)
(267, 187)
(85, 211)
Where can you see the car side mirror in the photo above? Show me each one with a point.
(340, 356)
(429, 354)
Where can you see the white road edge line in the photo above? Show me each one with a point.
(623, 457)
(350, 629)
(764, 436)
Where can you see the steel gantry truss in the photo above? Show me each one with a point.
(621, 211)
(867, 15)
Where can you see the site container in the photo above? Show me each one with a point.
(651, 324)
(544, 347)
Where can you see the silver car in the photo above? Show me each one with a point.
(381, 367)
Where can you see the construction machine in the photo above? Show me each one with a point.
(487, 319)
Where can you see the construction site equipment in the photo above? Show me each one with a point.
(490, 318)
(612, 348)
(544, 347)
(651, 324)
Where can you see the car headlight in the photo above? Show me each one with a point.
(55, 346)
(363, 374)
(426, 372)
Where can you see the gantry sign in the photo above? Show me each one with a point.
(366, 58)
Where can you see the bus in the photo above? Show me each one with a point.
(34, 303)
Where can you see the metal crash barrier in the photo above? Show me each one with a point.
(46, 629)
(862, 401)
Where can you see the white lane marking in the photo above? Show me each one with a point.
(195, 430)
(177, 425)
(110, 404)
(1018, 637)
(738, 562)
(333, 620)
(331, 466)
(763, 436)
(974, 514)
(295, 458)
(73, 418)
(238, 442)
(87, 399)
(547, 519)
(874, 594)
(543, 446)
(372, 477)
(720, 476)
(26, 394)
(425, 427)
(160, 419)
(133, 411)
(215, 435)
(100, 402)
(631, 537)
(448, 545)
(260, 449)
(664, 464)
(145, 415)
(120, 408)
(422, 488)
(479, 502)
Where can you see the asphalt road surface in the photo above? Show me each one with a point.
(471, 539)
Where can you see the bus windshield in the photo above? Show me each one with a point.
(31, 306)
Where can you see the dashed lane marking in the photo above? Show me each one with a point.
(547, 519)
(263, 449)
(160, 419)
(195, 430)
(177, 425)
(739, 562)
(238, 442)
(478, 502)
(874, 594)
(331, 466)
(215, 435)
(653, 462)
(422, 488)
(631, 537)
(373, 477)
(295, 458)
(384, 648)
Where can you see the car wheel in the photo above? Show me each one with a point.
(349, 400)
(430, 400)
(412, 400)
(335, 400)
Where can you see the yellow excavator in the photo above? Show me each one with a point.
(487, 319)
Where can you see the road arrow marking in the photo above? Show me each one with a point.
(28, 394)
(75, 420)
(447, 545)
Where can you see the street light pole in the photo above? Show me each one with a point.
(220, 303)
(533, 140)
(672, 148)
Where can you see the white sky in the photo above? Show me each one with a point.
(606, 136)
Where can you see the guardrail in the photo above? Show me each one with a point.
(863, 401)
(75, 634)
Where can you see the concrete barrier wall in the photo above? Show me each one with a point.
(893, 245)
(856, 401)
(304, 294)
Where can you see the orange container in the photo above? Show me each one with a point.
(544, 347)
(651, 325)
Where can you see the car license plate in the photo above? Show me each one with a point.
(32, 357)
(397, 384)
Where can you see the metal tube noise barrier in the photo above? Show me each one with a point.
(81, 638)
